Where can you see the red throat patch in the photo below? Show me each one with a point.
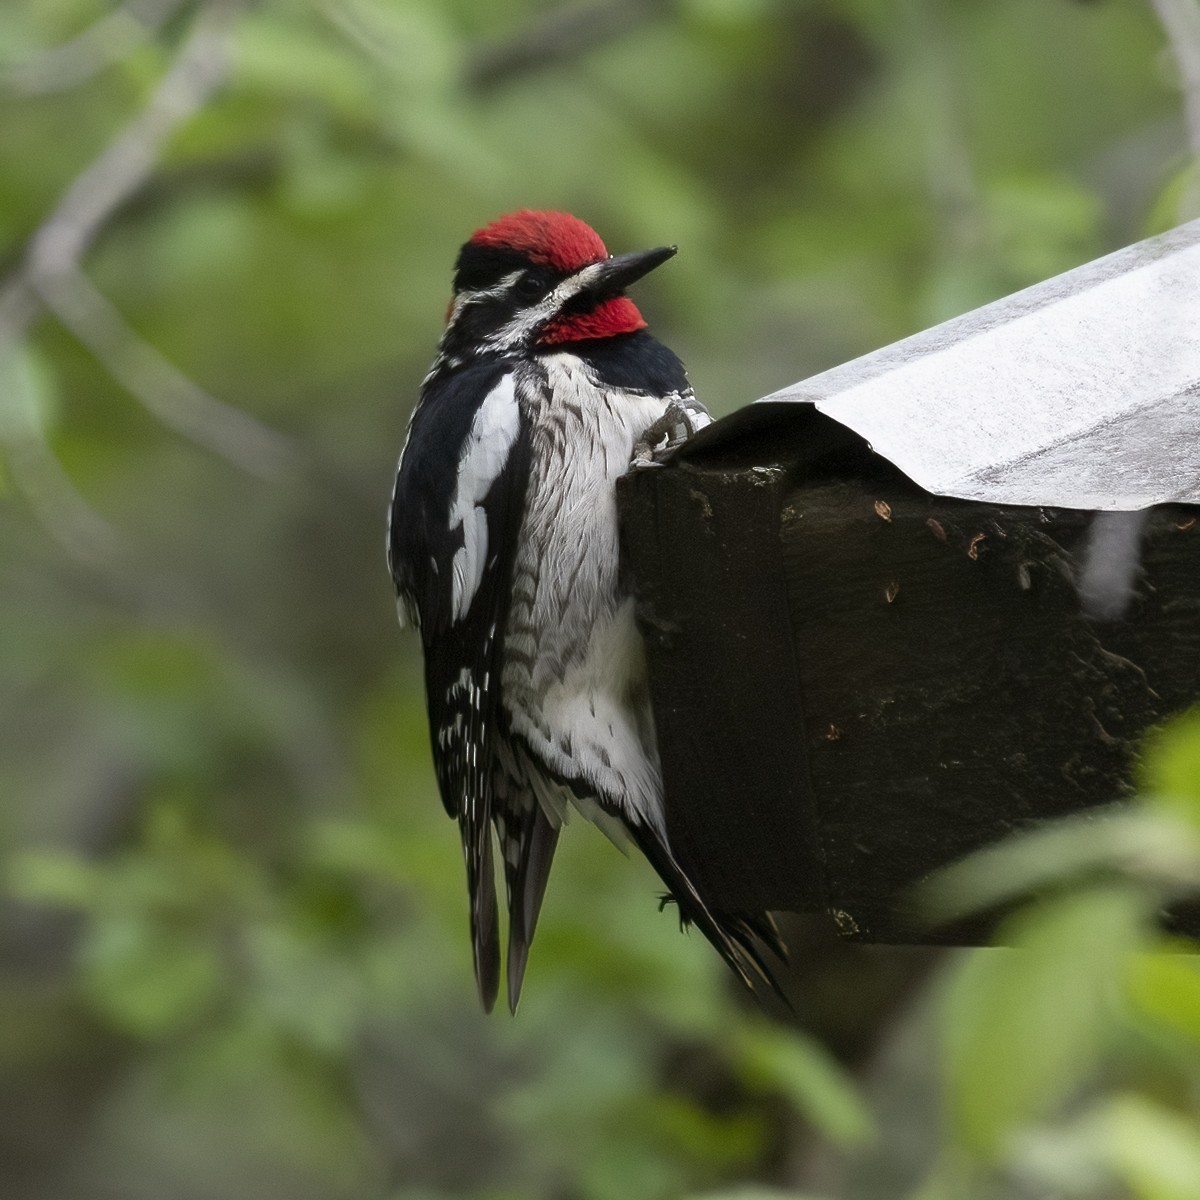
(554, 239)
(618, 315)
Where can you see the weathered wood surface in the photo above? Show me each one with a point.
(856, 682)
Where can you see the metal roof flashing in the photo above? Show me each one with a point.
(1080, 392)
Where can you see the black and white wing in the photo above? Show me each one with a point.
(453, 528)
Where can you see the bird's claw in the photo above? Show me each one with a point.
(661, 439)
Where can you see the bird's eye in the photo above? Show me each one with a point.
(531, 287)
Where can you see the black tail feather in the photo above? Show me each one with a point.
(766, 931)
(527, 864)
(738, 938)
(485, 923)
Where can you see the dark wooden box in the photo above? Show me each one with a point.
(856, 682)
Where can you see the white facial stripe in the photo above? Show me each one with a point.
(519, 330)
(580, 280)
(485, 452)
(497, 289)
(464, 298)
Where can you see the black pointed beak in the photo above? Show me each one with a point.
(615, 274)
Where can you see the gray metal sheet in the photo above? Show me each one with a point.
(1080, 392)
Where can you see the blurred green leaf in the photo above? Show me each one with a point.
(1171, 771)
(320, 179)
(55, 878)
(1168, 209)
(1024, 1027)
(771, 1058)
(148, 979)
(1155, 1150)
(1125, 841)
(304, 988)
(1166, 987)
(283, 58)
(175, 698)
(727, 1141)
(1042, 225)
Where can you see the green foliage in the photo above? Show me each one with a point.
(755, 1193)
(1022, 1026)
(235, 959)
(772, 1059)
(1154, 1149)
(1073, 1058)
(1172, 770)
(1165, 986)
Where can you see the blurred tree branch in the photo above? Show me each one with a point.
(51, 276)
(66, 516)
(104, 42)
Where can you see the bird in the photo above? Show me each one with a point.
(502, 546)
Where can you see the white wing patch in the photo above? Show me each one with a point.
(485, 452)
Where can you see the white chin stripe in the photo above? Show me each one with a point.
(484, 455)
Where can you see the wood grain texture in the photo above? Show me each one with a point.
(714, 611)
(856, 682)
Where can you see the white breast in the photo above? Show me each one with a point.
(575, 676)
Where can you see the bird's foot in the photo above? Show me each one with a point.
(664, 437)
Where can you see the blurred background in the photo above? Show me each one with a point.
(233, 941)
